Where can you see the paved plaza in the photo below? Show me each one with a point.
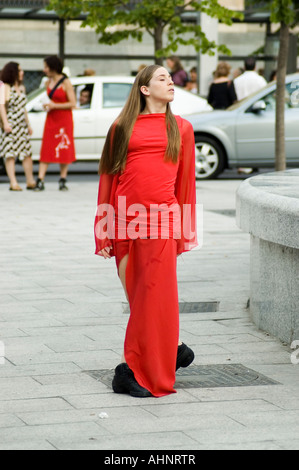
(63, 317)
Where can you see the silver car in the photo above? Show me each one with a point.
(244, 134)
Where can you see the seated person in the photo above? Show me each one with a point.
(85, 98)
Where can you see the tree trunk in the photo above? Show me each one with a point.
(158, 42)
(280, 152)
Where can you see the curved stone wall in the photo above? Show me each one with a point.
(268, 209)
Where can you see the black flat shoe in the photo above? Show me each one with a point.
(125, 382)
(62, 185)
(185, 356)
(40, 185)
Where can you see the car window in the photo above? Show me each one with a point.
(291, 97)
(115, 94)
(293, 89)
(33, 94)
(84, 93)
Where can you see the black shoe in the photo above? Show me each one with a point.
(185, 356)
(62, 185)
(125, 382)
(40, 185)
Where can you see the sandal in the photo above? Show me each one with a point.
(31, 187)
(16, 188)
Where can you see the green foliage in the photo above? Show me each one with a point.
(282, 11)
(116, 20)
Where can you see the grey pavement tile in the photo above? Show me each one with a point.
(83, 415)
(7, 332)
(238, 439)
(28, 445)
(33, 405)
(204, 409)
(258, 346)
(251, 359)
(72, 387)
(72, 343)
(38, 369)
(289, 444)
(19, 388)
(34, 320)
(260, 418)
(276, 395)
(108, 400)
(251, 445)
(205, 328)
(90, 360)
(287, 373)
(10, 420)
(130, 441)
(59, 432)
(169, 424)
(5, 299)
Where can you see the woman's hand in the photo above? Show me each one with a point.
(7, 128)
(30, 130)
(49, 106)
(106, 252)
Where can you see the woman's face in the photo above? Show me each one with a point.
(21, 74)
(161, 87)
(170, 63)
(47, 71)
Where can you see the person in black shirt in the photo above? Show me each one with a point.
(222, 92)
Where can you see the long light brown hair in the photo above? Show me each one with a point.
(114, 155)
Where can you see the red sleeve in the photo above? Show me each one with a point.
(104, 228)
(185, 189)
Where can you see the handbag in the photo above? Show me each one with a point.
(5, 95)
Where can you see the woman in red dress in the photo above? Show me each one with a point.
(58, 139)
(146, 217)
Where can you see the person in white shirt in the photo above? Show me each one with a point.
(246, 84)
(250, 81)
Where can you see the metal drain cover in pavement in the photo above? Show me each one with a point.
(199, 307)
(189, 307)
(211, 376)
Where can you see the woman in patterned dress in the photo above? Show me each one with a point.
(15, 131)
(58, 139)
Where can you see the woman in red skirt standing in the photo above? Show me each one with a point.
(146, 217)
(58, 140)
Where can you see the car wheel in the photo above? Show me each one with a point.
(209, 158)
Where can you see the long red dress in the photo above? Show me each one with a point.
(58, 139)
(152, 335)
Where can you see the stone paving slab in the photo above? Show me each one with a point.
(62, 313)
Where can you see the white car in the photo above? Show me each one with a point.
(108, 96)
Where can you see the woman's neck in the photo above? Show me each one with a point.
(16, 86)
(55, 77)
(154, 108)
